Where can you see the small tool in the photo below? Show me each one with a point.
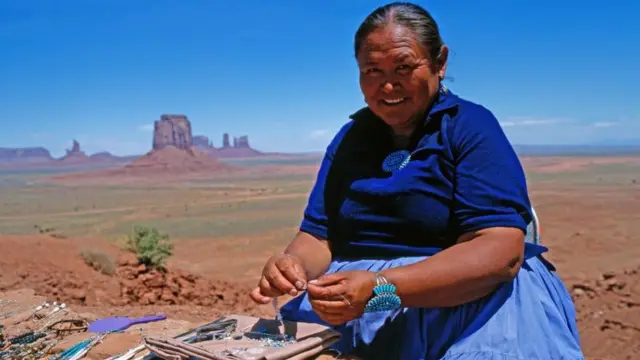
(215, 331)
(276, 309)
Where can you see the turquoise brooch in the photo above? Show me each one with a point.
(396, 160)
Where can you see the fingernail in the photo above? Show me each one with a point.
(299, 285)
(313, 281)
(293, 292)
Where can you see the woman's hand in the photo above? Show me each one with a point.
(282, 274)
(340, 297)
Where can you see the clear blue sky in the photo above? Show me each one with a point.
(283, 72)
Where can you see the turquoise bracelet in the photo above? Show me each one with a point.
(384, 296)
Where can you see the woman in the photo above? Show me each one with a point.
(442, 219)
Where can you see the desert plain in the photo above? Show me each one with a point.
(224, 227)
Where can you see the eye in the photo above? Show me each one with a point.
(403, 69)
(372, 71)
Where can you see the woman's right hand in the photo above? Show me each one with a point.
(282, 274)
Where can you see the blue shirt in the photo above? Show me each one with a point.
(463, 176)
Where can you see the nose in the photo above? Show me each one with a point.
(387, 86)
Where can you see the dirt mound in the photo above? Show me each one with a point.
(55, 269)
(172, 159)
(608, 310)
(140, 285)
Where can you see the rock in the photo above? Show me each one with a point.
(148, 299)
(75, 154)
(240, 148)
(28, 154)
(77, 294)
(608, 275)
(154, 280)
(168, 296)
(127, 259)
(172, 130)
(75, 148)
(142, 268)
(202, 142)
(243, 142)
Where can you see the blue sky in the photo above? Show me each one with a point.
(282, 72)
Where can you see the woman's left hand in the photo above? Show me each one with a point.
(340, 297)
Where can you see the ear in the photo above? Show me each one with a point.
(442, 61)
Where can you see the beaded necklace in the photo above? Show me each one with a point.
(79, 350)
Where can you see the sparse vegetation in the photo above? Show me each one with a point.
(49, 231)
(152, 248)
(99, 261)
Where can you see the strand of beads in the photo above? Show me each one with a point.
(74, 351)
(27, 338)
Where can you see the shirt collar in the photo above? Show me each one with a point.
(445, 101)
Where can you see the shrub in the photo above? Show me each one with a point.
(99, 261)
(152, 248)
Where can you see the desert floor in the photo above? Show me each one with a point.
(224, 229)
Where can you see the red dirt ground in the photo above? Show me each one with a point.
(552, 164)
(592, 233)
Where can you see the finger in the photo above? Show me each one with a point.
(303, 276)
(329, 307)
(278, 281)
(292, 271)
(256, 296)
(328, 279)
(267, 290)
(333, 292)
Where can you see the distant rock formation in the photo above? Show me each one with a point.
(75, 154)
(240, 148)
(176, 150)
(75, 148)
(24, 155)
(241, 142)
(201, 141)
(172, 130)
(105, 156)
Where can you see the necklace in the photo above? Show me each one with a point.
(396, 161)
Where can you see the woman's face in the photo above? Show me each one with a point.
(397, 79)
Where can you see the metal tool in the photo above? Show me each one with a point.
(276, 309)
(215, 331)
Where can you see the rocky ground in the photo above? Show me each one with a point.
(607, 304)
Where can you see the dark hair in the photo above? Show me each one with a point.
(405, 14)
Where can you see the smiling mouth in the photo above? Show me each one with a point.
(393, 102)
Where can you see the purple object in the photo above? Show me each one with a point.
(121, 323)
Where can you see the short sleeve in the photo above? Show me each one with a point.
(316, 220)
(490, 184)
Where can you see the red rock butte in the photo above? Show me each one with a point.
(173, 150)
(74, 155)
